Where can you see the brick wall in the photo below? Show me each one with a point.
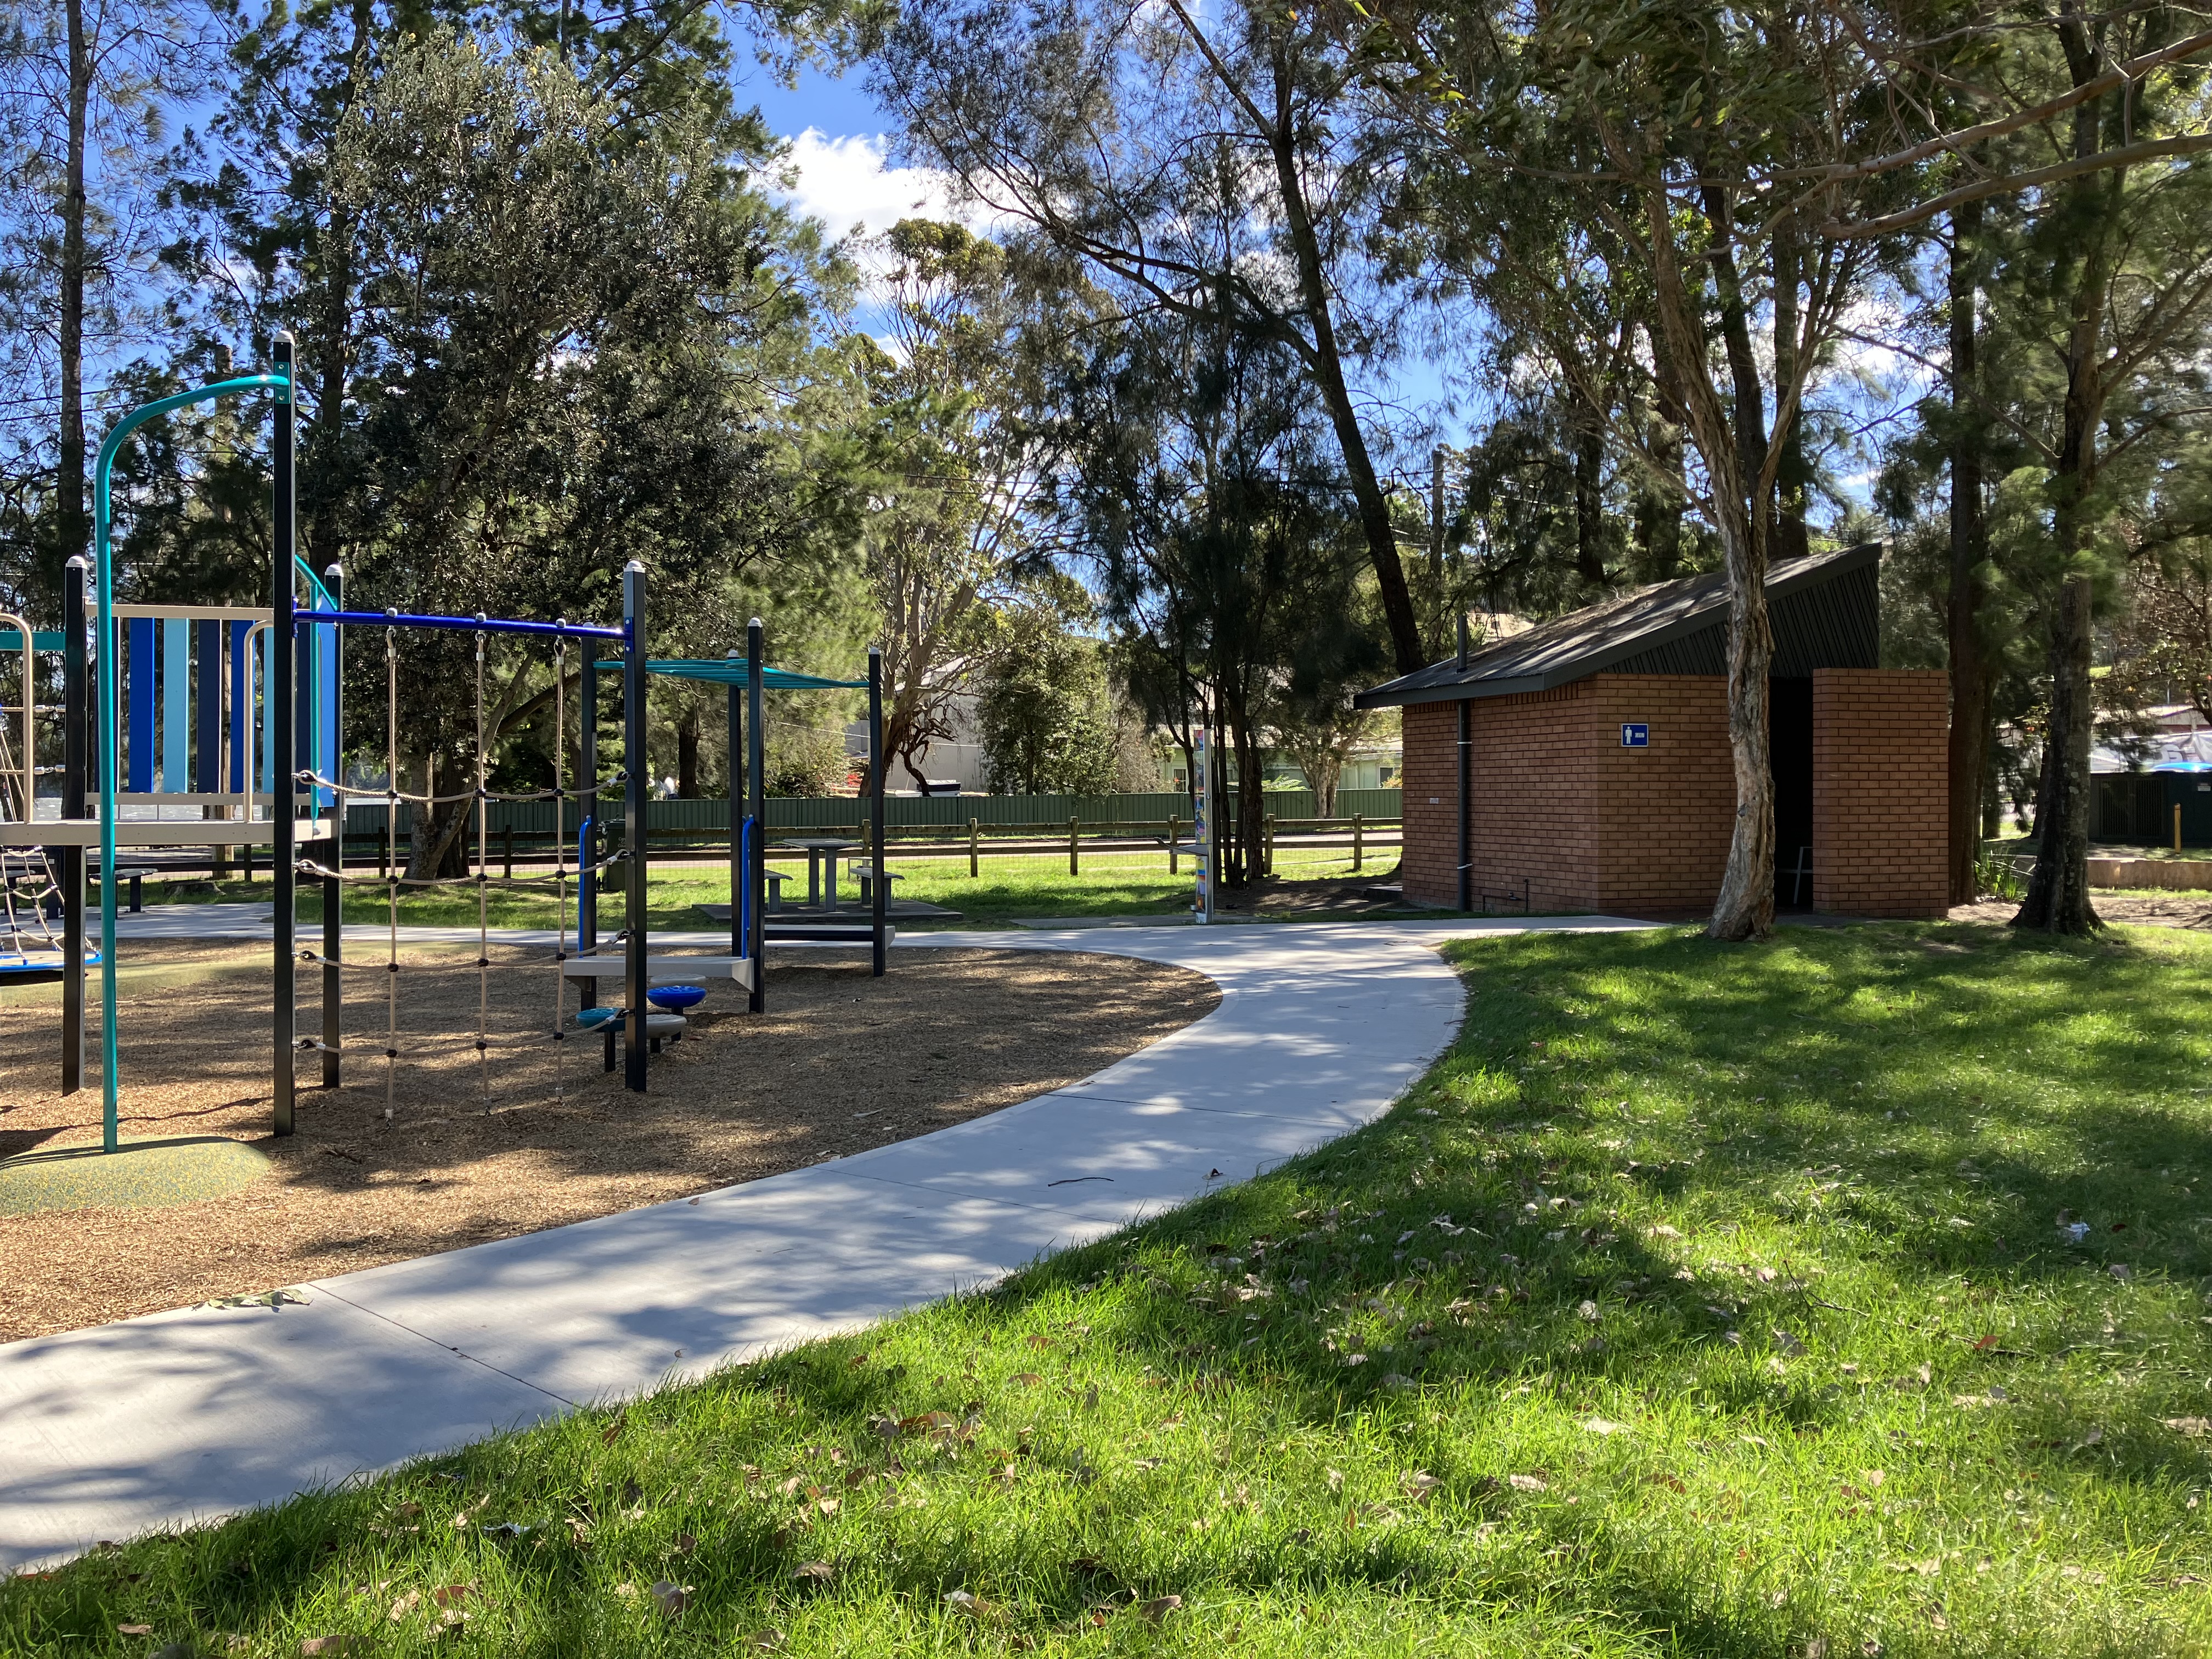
(1880, 791)
(1557, 801)
(1532, 791)
(1665, 811)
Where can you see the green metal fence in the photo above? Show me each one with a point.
(1096, 813)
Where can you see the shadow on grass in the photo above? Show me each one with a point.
(1857, 1141)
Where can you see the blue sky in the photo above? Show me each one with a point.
(840, 140)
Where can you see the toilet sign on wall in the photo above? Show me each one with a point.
(1635, 734)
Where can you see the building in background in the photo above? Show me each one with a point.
(1598, 773)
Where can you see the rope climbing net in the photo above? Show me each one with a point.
(391, 881)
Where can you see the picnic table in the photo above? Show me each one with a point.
(821, 850)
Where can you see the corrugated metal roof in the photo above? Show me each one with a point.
(1824, 610)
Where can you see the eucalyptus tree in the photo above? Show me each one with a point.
(1203, 164)
(956, 463)
(1654, 160)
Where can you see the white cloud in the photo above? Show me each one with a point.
(844, 182)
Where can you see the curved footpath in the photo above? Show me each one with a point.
(183, 1417)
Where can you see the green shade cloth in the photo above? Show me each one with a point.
(139, 1174)
(732, 671)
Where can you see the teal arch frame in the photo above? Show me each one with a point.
(281, 384)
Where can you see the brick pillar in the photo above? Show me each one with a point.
(1881, 788)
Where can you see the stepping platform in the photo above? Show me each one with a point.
(142, 1174)
(664, 969)
(824, 933)
(897, 909)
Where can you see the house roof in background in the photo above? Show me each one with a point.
(1824, 608)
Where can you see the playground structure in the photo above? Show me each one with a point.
(234, 716)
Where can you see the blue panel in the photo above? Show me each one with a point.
(176, 706)
(268, 716)
(241, 705)
(139, 701)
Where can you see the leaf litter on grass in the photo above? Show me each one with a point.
(1691, 1513)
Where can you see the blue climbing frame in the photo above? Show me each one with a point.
(161, 713)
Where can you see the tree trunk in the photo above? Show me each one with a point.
(1969, 658)
(2058, 891)
(436, 840)
(1793, 479)
(1659, 508)
(1328, 373)
(1589, 455)
(1748, 417)
(1745, 909)
(323, 488)
(687, 755)
(70, 481)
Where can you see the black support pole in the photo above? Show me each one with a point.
(757, 803)
(333, 887)
(278, 696)
(635, 1047)
(737, 859)
(882, 885)
(1465, 894)
(77, 733)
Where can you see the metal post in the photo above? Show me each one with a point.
(883, 886)
(634, 1049)
(737, 722)
(1464, 894)
(587, 790)
(1174, 829)
(756, 790)
(1357, 849)
(74, 733)
(333, 887)
(973, 837)
(277, 698)
(1074, 858)
(1201, 826)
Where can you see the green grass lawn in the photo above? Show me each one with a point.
(1703, 1300)
(1109, 884)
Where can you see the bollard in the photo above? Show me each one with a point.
(1175, 832)
(971, 848)
(1356, 848)
(2176, 826)
(1073, 863)
(247, 850)
(1267, 846)
(506, 839)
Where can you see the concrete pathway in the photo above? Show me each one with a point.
(183, 1417)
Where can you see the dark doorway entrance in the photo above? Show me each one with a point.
(1789, 743)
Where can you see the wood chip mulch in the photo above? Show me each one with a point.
(536, 1134)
